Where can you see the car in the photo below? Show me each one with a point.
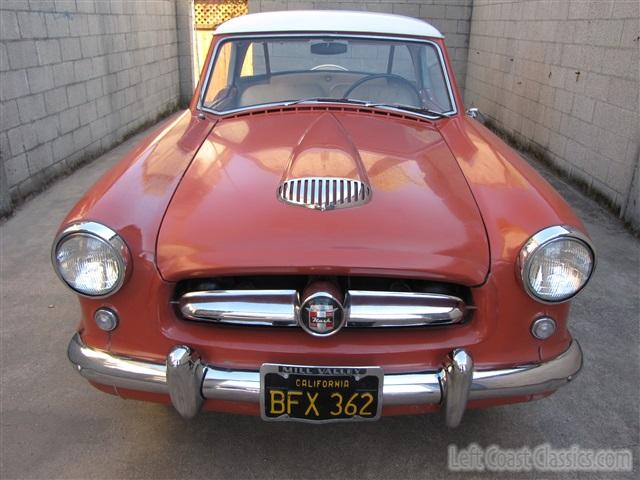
(325, 234)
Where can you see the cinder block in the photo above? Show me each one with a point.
(76, 94)
(408, 9)
(68, 120)
(70, 49)
(87, 113)
(31, 108)
(22, 54)
(623, 93)
(57, 25)
(55, 100)
(63, 147)
(40, 79)
(21, 139)
(16, 169)
(14, 84)
(86, 6)
(9, 29)
(39, 158)
(81, 137)
(82, 70)
(48, 51)
(4, 58)
(9, 116)
(616, 119)
(32, 24)
(583, 108)
(63, 74)
(66, 6)
(607, 33)
(78, 25)
(46, 128)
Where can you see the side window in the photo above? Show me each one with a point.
(220, 75)
(403, 63)
(254, 61)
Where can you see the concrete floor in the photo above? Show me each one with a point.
(54, 425)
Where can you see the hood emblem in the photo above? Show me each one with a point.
(321, 315)
(324, 193)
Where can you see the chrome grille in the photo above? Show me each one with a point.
(280, 308)
(324, 193)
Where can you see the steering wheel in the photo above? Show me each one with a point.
(388, 76)
(330, 66)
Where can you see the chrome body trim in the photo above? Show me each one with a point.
(105, 234)
(398, 389)
(401, 309)
(362, 308)
(324, 193)
(214, 56)
(539, 240)
(245, 307)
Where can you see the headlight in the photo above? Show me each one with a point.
(556, 263)
(91, 259)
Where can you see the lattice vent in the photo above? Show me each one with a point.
(211, 13)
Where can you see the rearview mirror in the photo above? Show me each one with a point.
(328, 48)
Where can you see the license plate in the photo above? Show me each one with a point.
(320, 394)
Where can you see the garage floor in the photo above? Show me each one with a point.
(54, 425)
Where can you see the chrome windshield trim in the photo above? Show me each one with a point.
(214, 56)
(242, 307)
(402, 309)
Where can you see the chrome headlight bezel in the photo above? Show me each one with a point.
(105, 235)
(542, 239)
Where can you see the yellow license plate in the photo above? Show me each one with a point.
(320, 394)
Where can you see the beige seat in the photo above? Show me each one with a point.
(269, 93)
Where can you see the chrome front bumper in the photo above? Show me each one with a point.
(189, 382)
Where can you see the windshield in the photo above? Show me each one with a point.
(259, 71)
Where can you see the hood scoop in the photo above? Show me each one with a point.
(325, 171)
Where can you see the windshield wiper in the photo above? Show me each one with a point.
(400, 106)
(327, 100)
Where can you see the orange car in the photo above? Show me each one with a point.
(324, 235)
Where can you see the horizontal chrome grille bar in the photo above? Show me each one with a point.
(242, 307)
(402, 309)
(279, 308)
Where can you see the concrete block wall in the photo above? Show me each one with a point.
(563, 78)
(451, 17)
(76, 77)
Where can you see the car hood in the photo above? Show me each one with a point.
(421, 220)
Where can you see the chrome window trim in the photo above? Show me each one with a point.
(539, 240)
(200, 106)
(105, 234)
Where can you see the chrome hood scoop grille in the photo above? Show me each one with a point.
(324, 193)
(325, 171)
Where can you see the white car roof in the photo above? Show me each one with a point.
(334, 21)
